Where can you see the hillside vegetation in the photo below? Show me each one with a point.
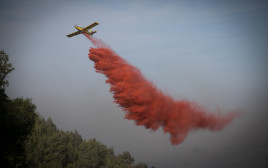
(28, 140)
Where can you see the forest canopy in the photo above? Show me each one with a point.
(28, 140)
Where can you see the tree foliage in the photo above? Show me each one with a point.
(28, 140)
(5, 69)
(17, 118)
(48, 146)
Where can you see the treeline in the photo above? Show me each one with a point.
(28, 140)
(48, 146)
(17, 118)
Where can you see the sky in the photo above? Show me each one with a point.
(211, 52)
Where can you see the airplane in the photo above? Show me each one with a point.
(84, 30)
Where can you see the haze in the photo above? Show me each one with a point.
(213, 53)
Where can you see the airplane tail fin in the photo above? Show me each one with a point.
(91, 32)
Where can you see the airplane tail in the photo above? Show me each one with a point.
(93, 32)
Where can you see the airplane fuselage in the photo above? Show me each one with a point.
(79, 28)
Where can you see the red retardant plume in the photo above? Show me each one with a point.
(145, 104)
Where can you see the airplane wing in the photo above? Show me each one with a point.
(73, 34)
(90, 26)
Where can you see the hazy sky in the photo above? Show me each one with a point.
(212, 52)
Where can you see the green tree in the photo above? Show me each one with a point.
(49, 147)
(16, 120)
(111, 160)
(5, 69)
(91, 154)
(73, 142)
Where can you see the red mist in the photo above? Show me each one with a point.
(145, 104)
